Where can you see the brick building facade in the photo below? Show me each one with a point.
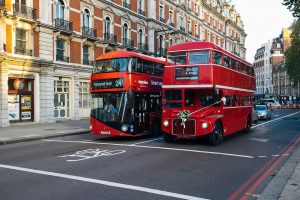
(47, 47)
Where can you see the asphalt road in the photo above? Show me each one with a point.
(89, 167)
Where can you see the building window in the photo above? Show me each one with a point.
(125, 31)
(86, 18)
(84, 95)
(20, 41)
(140, 36)
(107, 25)
(60, 9)
(60, 50)
(161, 12)
(85, 56)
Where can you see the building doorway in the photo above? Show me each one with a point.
(61, 98)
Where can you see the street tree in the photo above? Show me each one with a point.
(293, 6)
(292, 54)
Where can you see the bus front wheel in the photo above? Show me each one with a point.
(216, 137)
(168, 138)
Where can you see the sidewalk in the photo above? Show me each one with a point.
(284, 186)
(35, 131)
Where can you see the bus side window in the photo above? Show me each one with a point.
(189, 97)
(243, 67)
(243, 101)
(226, 61)
(234, 100)
(158, 69)
(217, 58)
(148, 67)
(227, 104)
(233, 64)
(140, 64)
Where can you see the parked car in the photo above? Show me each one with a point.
(263, 112)
(270, 102)
(254, 115)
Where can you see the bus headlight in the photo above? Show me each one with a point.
(91, 127)
(204, 125)
(166, 123)
(124, 128)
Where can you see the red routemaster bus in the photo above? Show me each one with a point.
(206, 91)
(126, 94)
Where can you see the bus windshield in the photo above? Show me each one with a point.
(173, 99)
(111, 65)
(112, 107)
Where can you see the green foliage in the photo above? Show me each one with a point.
(293, 6)
(292, 54)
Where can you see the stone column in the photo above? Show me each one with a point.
(76, 108)
(4, 122)
(46, 94)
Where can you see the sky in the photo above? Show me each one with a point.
(263, 21)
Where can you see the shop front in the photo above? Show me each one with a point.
(20, 99)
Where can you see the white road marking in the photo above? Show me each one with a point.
(275, 155)
(259, 139)
(147, 141)
(102, 182)
(153, 147)
(262, 156)
(274, 120)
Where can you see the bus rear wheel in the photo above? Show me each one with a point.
(216, 137)
(168, 138)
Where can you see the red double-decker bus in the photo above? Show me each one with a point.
(206, 91)
(126, 94)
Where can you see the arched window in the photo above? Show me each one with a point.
(86, 18)
(140, 36)
(125, 32)
(107, 28)
(60, 9)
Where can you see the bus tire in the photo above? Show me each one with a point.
(155, 128)
(216, 137)
(248, 126)
(168, 138)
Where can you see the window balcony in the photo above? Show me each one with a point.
(143, 47)
(127, 43)
(63, 25)
(171, 24)
(126, 5)
(88, 62)
(89, 32)
(62, 58)
(141, 12)
(22, 51)
(162, 20)
(110, 38)
(189, 9)
(2, 3)
(182, 28)
(23, 11)
(190, 32)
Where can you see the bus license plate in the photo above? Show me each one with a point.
(184, 136)
(105, 132)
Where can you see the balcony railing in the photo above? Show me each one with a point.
(89, 32)
(143, 47)
(171, 24)
(110, 38)
(127, 43)
(2, 3)
(162, 20)
(88, 62)
(24, 11)
(190, 32)
(63, 25)
(126, 5)
(62, 58)
(189, 9)
(22, 51)
(141, 12)
(182, 28)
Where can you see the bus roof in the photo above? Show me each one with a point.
(191, 46)
(126, 54)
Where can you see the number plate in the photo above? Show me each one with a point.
(105, 132)
(184, 136)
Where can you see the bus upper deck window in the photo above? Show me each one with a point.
(177, 58)
(199, 57)
(217, 58)
(226, 61)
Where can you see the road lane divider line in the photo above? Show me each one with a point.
(160, 138)
(102, 182)
(274, 120)
(154, 147)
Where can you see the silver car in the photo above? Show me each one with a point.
(254, 116)
(263, 112)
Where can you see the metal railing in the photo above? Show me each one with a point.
(182, 28)
(88, 62)
(127, 43)
(110, 38)
(24, 11)
(162, 19)
(171, 24)
(63, 25)
(23, 51)
(141, 12)
(143, 47)
(62, 58)
(126, 5)
(89, 32)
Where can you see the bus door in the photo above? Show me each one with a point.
(141, 114)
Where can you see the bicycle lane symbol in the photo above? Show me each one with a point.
(91, 153)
